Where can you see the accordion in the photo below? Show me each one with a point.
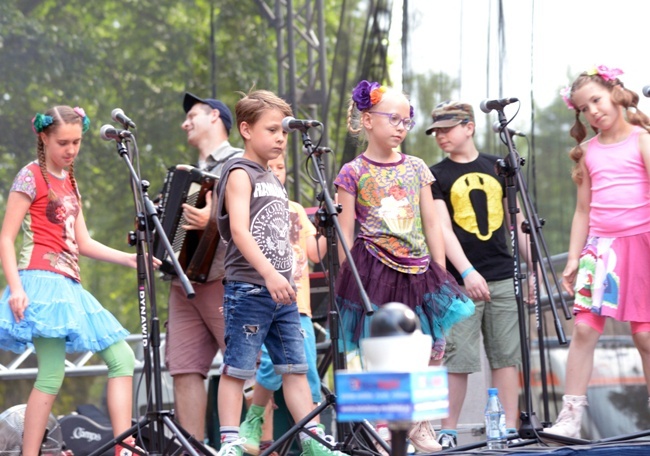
(194, 249)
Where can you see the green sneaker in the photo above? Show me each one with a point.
(312, 447)
(232, 448)
(251, 429)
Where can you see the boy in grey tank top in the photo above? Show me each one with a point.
(259, 299)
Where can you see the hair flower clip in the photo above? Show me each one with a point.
(85, 123)
(363, 94)
(566, 96)
(608, 74)
(367, 94)
(40, 122)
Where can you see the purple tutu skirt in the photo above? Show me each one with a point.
(434, 296)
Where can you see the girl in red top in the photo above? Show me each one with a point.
(44, 304)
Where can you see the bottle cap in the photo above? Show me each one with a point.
(493, 391)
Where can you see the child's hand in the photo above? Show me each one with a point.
(476, 287)
(569, 276)
(18, 302)
(280, 289)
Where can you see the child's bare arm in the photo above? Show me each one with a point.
(238, 194)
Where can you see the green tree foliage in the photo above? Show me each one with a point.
(141, 56)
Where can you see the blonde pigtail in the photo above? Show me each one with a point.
(352, 118)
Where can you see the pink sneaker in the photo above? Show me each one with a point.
(423, 438)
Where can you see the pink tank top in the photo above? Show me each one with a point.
(620, 193)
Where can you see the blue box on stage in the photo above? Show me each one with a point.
(392, 396)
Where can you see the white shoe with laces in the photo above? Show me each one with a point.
(234, 448)
(447, 441)
(423, 437)
(569, 420)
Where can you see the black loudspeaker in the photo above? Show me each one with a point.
(84, 435)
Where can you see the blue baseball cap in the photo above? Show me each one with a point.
(226, 117)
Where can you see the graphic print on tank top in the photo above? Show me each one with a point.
(271, 232)
(471, 196)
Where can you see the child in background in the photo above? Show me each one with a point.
(260, 300)
(399, 251)
(302, 234)
(44, 303)
(610, 235)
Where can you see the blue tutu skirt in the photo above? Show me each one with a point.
(434, 296)
(59, 308)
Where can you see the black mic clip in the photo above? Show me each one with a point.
(320, 150)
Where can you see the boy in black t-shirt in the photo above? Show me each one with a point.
(469, 198)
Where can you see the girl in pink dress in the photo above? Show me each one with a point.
(610, 235)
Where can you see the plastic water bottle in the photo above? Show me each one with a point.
(495, 422)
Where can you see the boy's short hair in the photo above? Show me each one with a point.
(250, 108)
(449, 114)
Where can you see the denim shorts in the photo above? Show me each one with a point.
(252, 319)
(271, 380)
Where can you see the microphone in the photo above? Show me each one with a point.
(118, 116)
(496, 127)
(489, 105)
(290, 124)
(108, 133)
(646, 91)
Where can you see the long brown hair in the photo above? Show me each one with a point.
(60, 115)
(620, 96)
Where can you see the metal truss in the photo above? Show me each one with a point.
(302, 73)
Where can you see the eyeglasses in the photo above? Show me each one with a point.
(395, 119)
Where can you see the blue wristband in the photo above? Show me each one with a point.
(467, 271)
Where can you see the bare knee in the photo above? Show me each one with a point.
(642, 343)
(584, 335)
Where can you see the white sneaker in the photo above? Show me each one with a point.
(423, 438)
(234, 448)
(447, 441)
(569, 420)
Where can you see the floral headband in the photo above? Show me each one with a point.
(608, 74)
(367, 94)
(41, 121)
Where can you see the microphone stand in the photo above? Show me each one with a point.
(327, 218)
(156, 419)
(530, 427)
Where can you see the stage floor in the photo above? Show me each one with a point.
(634, 445)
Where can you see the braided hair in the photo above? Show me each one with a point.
(620, 96)
(59, 115)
